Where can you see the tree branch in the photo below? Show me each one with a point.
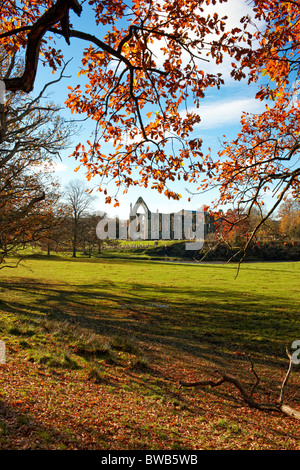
(53, 15)
(277, 407)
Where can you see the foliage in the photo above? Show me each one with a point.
(32, 135)
(264, 157)
(289, 214)
(141, 75)
(147, 66)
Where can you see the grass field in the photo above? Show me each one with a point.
(95, 350)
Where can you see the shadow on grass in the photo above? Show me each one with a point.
(206, 323)
(19, 430)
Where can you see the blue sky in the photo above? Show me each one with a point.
(220, 115)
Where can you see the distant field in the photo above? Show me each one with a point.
(95, 350)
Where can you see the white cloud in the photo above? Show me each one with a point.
(234, 10)
(226, 112)
(59, 167)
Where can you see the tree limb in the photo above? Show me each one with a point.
(227, 378)
(53, 15)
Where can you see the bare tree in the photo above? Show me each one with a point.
(79, 201)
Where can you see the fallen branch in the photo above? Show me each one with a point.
(248, 397)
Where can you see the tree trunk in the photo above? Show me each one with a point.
(74, 249)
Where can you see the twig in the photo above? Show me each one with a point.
(256, 376)
(285, 381)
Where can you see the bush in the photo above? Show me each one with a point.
(267, 250)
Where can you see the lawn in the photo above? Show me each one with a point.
(95, 350)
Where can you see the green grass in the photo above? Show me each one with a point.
(134, 328)
(257, 310)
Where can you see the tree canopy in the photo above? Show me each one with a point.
(140, 74)
(264, 158)
(145, 71)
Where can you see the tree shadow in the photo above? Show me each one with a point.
(210, 327)
(20, 430)
(207, 323)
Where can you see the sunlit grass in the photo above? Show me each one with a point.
(141, 324)
(259, 307)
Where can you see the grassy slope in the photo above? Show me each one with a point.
(95, 350)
